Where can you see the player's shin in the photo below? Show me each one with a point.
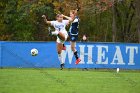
(60, 59)
(74, 50)
(77, 58)
(76, 54)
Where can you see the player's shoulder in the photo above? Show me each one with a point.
(54, 21)
(76, 17)
(65, 20)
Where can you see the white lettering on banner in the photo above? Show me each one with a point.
(83, 54)
(101, 55)
(69, 52)
(131, 54)
(118, 57)
(90, 61)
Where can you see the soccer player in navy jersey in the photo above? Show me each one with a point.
(73, 32)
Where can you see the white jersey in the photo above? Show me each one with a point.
(60, 26)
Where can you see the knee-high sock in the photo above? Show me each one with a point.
(60, 58)
(76, 55)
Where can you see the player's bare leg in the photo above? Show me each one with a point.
(62, 37)
(73, 44)
(59, 34)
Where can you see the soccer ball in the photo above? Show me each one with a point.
(34, 52)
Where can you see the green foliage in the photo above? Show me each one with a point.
(21, 20)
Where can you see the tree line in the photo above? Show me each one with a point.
(100, 20)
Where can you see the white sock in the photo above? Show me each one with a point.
(60, 58)
(55, 33)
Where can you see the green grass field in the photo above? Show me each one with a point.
(68, 81)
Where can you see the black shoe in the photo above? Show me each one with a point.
(62, 66)
(50, 32)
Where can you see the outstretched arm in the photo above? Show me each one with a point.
(69, 18)
(45, 19)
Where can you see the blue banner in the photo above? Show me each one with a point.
(93, 55)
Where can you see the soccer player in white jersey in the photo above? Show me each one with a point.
(60, 32)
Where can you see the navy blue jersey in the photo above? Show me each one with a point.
(73, 31)
(74, 26)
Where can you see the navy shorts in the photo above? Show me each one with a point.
(73, 37)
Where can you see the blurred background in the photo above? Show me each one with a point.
(100, 20)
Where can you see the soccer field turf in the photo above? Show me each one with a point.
(68, 81)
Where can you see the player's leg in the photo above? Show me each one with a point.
(66, 36)
(62, 36)
(60, 47)
(59, 34)
(59, 50)
(73, 44)
(73, 39)
(64, 47)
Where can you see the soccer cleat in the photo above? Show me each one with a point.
(62, 66)
(77, 61)
(64, 47)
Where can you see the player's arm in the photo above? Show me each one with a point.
(45, 20)
(69, 18)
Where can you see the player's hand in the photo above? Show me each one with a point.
(45, 19)
(63, 15)
(44, 16)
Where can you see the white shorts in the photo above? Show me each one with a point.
(62, 41)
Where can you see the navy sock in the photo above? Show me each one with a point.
(76, 55)
(63, 45)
